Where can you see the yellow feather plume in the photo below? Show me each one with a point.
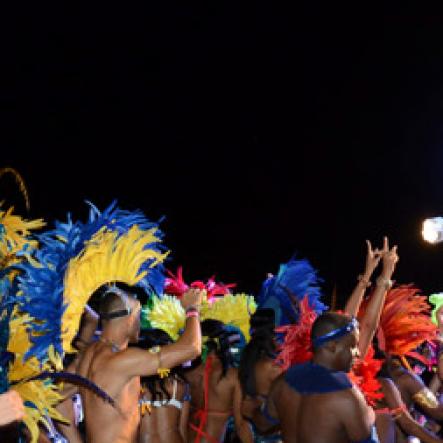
(19, 344)
(42, 394)
(167, 314)
(15, 235)
(232, 309)
(106, 258)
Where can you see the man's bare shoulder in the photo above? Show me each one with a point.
(350, 401)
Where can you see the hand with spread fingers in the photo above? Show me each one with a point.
(390, 259)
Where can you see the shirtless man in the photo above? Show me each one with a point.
(116, 368)
(69, 408)
(315, 401)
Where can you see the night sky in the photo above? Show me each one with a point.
(256, 130)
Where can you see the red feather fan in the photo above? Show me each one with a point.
(405, 322)
(364, 375)
(296, 347)
(175, 285)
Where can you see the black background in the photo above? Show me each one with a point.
(258, 129)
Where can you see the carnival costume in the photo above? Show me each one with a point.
(233, 310)
(57, 281)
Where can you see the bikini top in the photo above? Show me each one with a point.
(171, 402)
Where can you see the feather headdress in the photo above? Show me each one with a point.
(405, 322)
(364, 375)
(73, 261)
(39, 396)
(283, 292)
(15, 236)
(297, 347)
(232, 309)
(16, 241)
(175, 285)
(437, 301)
(167, 313)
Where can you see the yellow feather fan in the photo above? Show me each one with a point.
(232, 309)
(167, 314)
(42, 394)
(15, 236)
(106, 258)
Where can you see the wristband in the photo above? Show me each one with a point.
(193, 308)
(192, 313)
(386, 282)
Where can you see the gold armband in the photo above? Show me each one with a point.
(162, 372)
(145, 408)
(426, 398)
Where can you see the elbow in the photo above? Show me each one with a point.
(195, 351)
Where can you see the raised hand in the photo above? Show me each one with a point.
(373, 257)
(192, 297)
(390, 259)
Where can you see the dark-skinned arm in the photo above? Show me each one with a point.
(403, 417)
(369, 322)
(372, 259)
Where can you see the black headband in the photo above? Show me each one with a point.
(123, 297)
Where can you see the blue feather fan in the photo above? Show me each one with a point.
(283, 292)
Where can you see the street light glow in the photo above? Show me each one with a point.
(433, 230)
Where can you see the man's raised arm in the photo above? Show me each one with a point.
(135, 361)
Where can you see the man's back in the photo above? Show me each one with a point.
(103, 421)
(315, 418)
(337, 414)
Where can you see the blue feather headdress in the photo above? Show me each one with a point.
(16, 239)
(42, 280)
(283, 292)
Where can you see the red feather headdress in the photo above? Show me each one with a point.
(405, 322)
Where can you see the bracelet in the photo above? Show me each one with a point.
(192, 313)
(386, 282)
(364, 281)
(193, 308)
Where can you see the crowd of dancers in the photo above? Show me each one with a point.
(101, 342)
